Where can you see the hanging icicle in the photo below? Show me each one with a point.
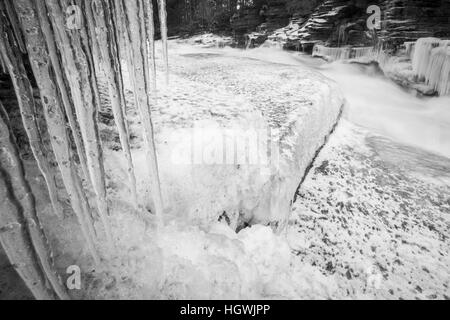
(11, 57)
(151, 42)
(62, 85)
(430, 63)
(54, 116)
(129, 14)
(79, 71)
(422, 54)
(21, 234)
(163, 28)
(98, 14)
(438, 72)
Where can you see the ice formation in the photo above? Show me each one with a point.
(344, 53)
(438, 72)
(409, 48)
(431, 63)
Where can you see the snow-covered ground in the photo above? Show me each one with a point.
(375, 216)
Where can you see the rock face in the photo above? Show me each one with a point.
(344, 22)
(264, 20)
(414, 19)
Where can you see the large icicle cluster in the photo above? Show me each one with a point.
(66, 64)
(431, 63)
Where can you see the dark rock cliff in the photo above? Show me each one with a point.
(344, 22)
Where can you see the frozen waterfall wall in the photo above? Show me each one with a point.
(431, 63)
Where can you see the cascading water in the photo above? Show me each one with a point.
(430, 59)
(332, 54)
(375, 102)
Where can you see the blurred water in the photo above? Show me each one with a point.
(380, 105)
(377, 103)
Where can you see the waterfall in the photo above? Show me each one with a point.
(344, 53)
(364, 52)
(431, 63)
(430, 59)
(332, 53)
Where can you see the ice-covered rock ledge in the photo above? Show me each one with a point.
(235, 135)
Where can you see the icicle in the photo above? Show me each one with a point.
(430, 63)
(63, 90)
(422, 54)
(128, 12)
(99, 19)
(438, 72)
(54, 116)
(24, 92)
(409, 48)
(21, 234)
(15, 25)
(151, 41)
(163, 27)
(78, 66)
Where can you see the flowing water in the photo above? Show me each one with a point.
(377, 103)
